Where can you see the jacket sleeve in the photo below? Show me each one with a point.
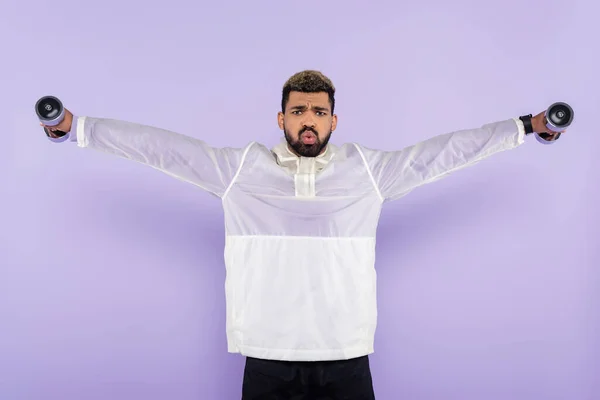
(396, 173)
(185, 158)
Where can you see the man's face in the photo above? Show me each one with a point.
(307, 123)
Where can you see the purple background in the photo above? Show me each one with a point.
(111, 278)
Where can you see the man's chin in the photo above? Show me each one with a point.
(308, 150)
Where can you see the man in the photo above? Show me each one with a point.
(300, 225)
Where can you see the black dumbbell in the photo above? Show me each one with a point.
(51, 112)
(558, 117)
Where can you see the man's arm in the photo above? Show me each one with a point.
(396, 173)
(183, 157)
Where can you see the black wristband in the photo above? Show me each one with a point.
(526, 119)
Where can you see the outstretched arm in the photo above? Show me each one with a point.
(396, 173)
(183, 157)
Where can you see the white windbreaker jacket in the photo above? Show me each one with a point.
(300, 232)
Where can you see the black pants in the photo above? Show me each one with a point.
(318, 380)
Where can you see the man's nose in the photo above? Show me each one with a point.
(308, 121)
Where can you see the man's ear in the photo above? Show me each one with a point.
(334, 121)
(280, 120)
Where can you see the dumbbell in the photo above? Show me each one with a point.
(51, 112)
(558, 117)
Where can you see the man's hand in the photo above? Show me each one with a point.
(64, 126)
(538, 123)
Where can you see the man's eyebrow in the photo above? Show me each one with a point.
(303, 107)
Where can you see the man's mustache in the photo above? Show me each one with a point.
(309, 130)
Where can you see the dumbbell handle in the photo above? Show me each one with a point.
(55, 133)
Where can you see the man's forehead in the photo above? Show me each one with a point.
(298, 99)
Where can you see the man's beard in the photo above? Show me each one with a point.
(307, 150)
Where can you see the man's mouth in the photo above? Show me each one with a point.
(308, 137)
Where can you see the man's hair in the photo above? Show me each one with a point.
(308, 81)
